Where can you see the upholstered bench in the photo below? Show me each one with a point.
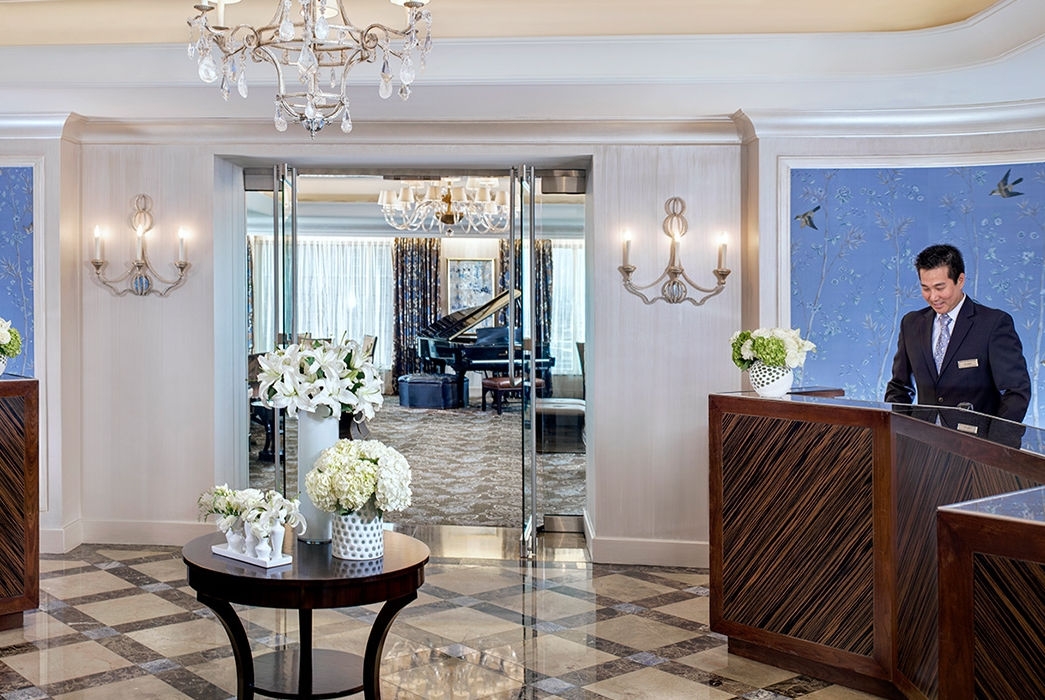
(560, 424)
(502, 387)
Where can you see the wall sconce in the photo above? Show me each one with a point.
(674, 290)
(140, 276)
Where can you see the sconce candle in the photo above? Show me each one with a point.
(627, 247)
(182, 233)
(141, 245)
(97, 243)
(722, 256)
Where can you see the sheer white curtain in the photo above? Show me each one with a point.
(567, 304)
(345, 287)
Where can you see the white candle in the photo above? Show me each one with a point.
(97, 242)
(722, 256)
(181, 244)
(141, 245)
(627, 247)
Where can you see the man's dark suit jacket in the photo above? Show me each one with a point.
(984, 364)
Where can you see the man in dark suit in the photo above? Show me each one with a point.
(957, 352)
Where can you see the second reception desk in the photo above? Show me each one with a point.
(823, 529)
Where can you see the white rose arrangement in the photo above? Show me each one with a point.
(352, 472)
(776, 347)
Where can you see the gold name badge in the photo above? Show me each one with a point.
(966, 364)
(966, 428)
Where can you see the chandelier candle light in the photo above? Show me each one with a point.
(315, 39)
(674, 278)
(478, 206)
(141, 274)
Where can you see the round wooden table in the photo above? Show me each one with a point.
(313, 580)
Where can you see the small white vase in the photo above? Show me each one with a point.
(358, 535)
(263, 549)
(315, 434)
(3, 363)
(279, 531)
(250, 543)
(770, 381)
(234, 537)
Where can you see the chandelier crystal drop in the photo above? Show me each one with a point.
(477, 206)
(310, 43)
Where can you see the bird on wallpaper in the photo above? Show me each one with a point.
(1004, 188)
(807, 217)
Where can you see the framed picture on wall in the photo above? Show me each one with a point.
(469, 282)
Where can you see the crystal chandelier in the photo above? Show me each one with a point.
(302, 46)
(475, 207)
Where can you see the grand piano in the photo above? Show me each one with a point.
(454, 340)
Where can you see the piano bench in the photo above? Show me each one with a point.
(502, 387)
(431, 391)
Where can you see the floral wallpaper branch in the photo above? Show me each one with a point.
(16, 261)
(854, 235)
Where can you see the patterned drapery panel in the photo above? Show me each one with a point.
(542, 300)
(415, 263)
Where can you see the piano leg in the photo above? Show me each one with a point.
(462, 398)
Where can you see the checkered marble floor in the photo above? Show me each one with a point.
(119, 621)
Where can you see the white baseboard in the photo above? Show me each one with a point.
(59, 541)
(645, 552)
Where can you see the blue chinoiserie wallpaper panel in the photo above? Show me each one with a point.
(16, 261)
(854, 236)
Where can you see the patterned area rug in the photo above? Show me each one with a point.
(466, 466)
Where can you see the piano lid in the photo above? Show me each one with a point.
(451, 326)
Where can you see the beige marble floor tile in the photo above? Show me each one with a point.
(64, 662)
(36, 625)
(453, 679)
(220, 672)
(183, 638)
(166, 570)
(720, 662)
(282, 621)
(649, 683)
(461, 624)
(690, 579)
(837, 692)
(144, 688)
(626, 588)
(131, 609)
(48, 566)
(88, 583)
(469, 580)
(552, 655)
(549, 604)
(695, 609)
(637, 632)
(128, 554)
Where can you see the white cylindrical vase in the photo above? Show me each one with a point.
(315, 434)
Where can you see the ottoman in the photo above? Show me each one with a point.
(431, 391)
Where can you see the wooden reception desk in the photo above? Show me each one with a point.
(823, 530)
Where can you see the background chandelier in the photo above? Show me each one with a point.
(476, 207)
(313, 47)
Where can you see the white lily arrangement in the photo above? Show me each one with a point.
(10, 339)
(352, 472)
(259, 510)
(321, 376)
(776, 347)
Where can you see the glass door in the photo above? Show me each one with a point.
(271, 319)
(522, 235)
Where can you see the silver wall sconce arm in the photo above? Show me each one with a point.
(674, 279)
(141, 277)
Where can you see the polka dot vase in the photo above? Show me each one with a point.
(359, 535)
(770, 381)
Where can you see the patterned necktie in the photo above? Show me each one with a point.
(941, 342)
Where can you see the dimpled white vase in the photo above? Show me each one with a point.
(770, 381)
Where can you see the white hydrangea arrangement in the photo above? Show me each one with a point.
(351, 472)
(321, 376)
(776, 347)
